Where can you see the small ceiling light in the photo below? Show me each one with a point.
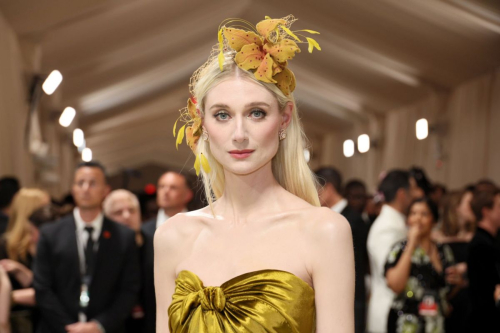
(363, 143)
(52, 82)
(348, 148)
(422, 129)
(307, 155)
(67, 116)
(78, 138)
(87, 155)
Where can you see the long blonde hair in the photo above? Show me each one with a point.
(288, 165)
(18, 236)
(450, 225)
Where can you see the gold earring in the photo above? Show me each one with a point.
(282, 134)
(205, 135)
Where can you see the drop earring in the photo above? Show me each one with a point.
(282, 134)
(204, 135)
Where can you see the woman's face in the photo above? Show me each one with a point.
(242, 120)
(421, 215)
(464, 209)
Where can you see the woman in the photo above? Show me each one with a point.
(415, 272)
(263, 256)
(17, 250)
(456, 230)
(420, 186)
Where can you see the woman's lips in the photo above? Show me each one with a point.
(240, 154)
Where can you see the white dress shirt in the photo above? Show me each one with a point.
(339, 206)
(387, 229)
(162, 217)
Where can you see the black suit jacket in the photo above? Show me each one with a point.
(148, 290)
(57, 278)
(359, 236)
(4, 221)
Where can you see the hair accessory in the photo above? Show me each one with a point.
(263, 49)
(282, 134)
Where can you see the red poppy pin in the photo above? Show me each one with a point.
(106, 234)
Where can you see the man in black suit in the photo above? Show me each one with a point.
(8, 188)
(86, 273)
(331, 196)
(173, 196)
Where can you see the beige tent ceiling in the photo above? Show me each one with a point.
(126, 63)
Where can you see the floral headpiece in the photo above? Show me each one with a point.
(263, 49)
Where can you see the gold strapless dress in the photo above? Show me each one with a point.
(261, 301)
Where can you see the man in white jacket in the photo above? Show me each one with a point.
(387, 229)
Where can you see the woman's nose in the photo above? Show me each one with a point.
(240, 133)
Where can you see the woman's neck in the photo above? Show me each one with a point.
(425, 243)
(249, 195)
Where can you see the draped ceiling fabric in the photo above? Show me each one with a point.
(383, 65)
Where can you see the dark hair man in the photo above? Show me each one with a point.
(173, 196)
(387, 229)
(8, 188)
(87, 275)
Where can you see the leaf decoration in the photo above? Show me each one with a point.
(238, 38)
(283, 51)
(175, 125)
(204, 164)
(191, 139)
(221, 49)
(180, 136)
(267, 17)
(265, 71)
(310, 31)
(289, 32)
(197, 164)
(312, 44)
(192, 108)
(267, 26)
(285, 81)
(250, 57)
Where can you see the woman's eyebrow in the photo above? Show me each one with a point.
(224, 106)
(219, 106)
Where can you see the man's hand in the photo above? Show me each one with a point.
(90, 327)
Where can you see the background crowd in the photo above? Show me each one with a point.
(427, 258)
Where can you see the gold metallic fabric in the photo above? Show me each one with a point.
(270, 301)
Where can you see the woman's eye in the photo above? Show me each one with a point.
(222, 116)
(258, 114)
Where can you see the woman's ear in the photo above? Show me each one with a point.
(286, 115)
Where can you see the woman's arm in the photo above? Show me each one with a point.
(398, 275)
(332, 258)
(23, 274)
(24, 296)
(5, 290)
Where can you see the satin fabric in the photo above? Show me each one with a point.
(262, 301)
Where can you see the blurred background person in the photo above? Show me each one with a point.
(122, 206)
(357, 198)
(330, 195)
(438, 194)
(420, 186)
(18, 250)
(373, 207)
(388, 228)
(456, 230)
(483, 260)
(5, 296)
(86, 272)
(174, 192)
(415, 271)
(8, 188)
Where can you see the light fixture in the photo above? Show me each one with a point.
(78, 138)
(87, 155)
(422, 129)
(307, 155)
(67, 116)
(363, 143)
(348, 148)
(52, 82)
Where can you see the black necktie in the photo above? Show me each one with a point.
(89, 253)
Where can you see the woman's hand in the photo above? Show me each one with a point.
(22, 273)
(454, 276)
(11, 266)
(414, 234)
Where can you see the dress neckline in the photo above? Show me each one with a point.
(244, 275)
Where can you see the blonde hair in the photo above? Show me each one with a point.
(289, 166)
(450, 225)
(18, 236)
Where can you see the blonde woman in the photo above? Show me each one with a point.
(17, 249)
(264, 256)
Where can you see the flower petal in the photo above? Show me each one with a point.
(192, 138)
(265, 71)
(180, 136)
(283, 51)
(197, 164)
(192, 109)
(312, 44)
(285, 81)
(249, 57)
(175, 125)
(289, 32)
(204, 163)
(237, 38)
(265, 27)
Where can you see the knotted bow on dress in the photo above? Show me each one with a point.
(262, 301)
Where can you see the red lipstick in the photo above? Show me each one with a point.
(241, 154)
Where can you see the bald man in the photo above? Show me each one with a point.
(173, 196)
